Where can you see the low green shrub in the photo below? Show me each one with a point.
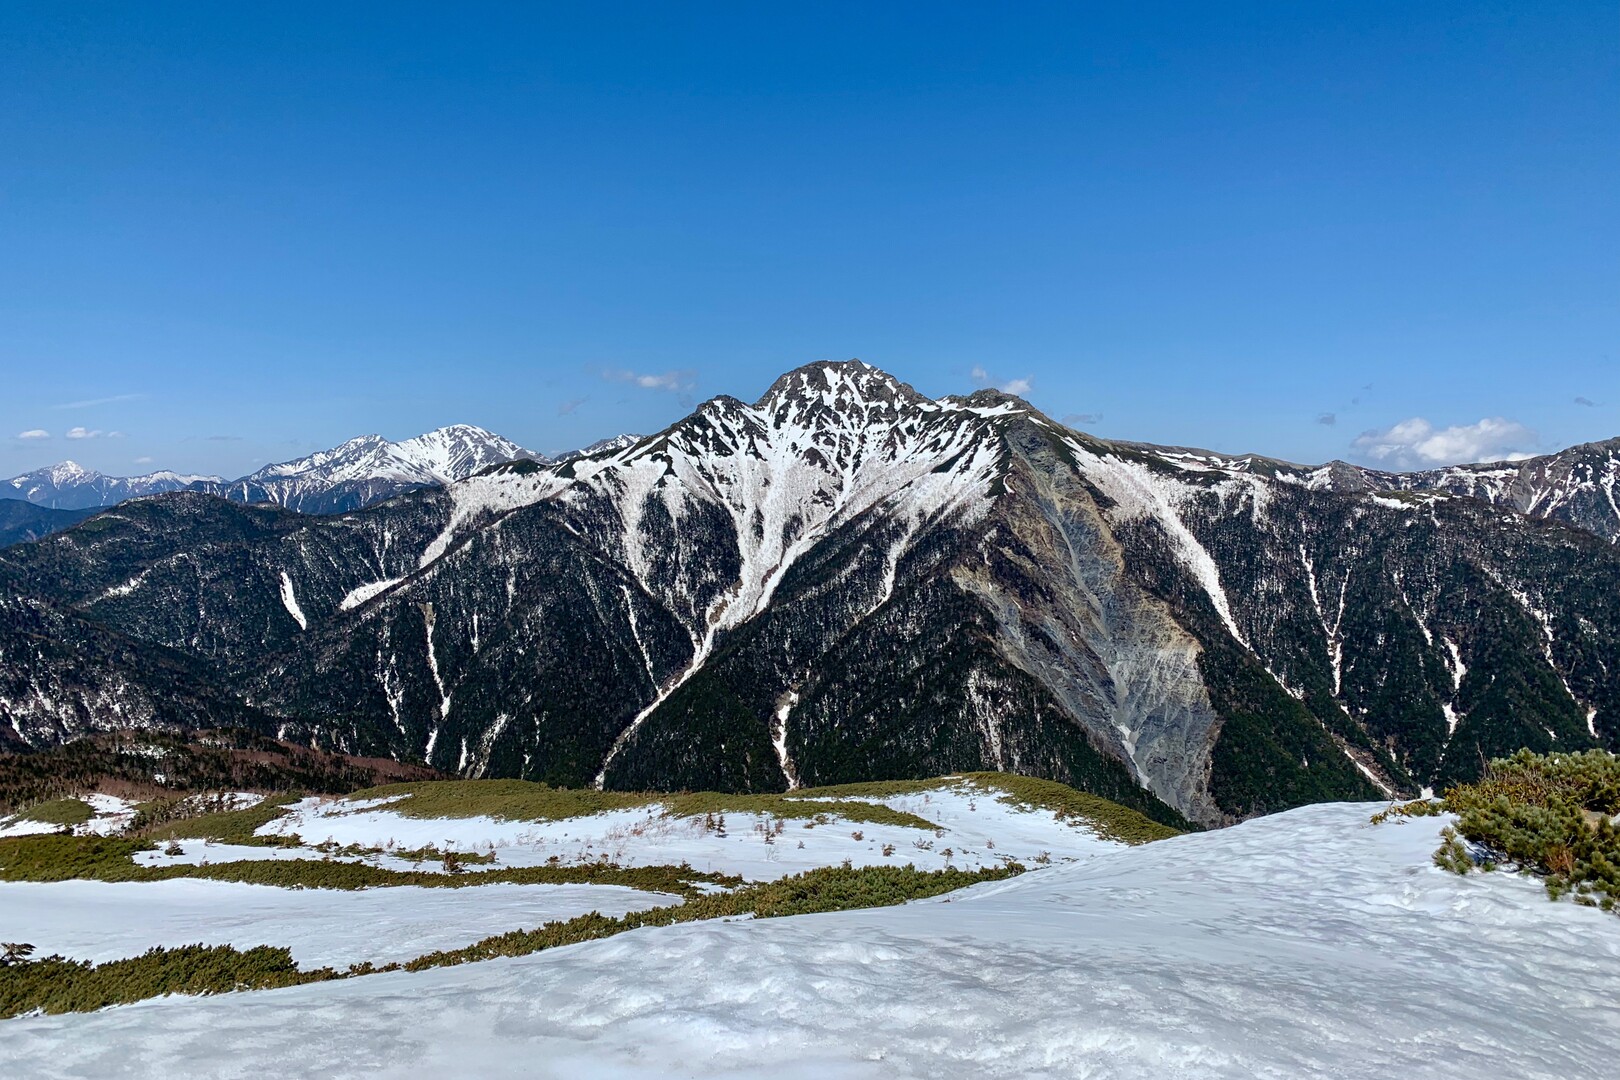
(59, 812)
(66, 858)
(832, 888)
(55, 985)
(1551, 815)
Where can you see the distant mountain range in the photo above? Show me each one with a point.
(68, 485)
(359, 472)
(847, 580)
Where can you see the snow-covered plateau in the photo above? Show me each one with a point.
(1305, 944)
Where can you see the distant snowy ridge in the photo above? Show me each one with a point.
(360, 471)
(68, 485)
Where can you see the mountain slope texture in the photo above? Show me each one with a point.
(847, 580)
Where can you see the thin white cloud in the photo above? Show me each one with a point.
(90, 403)
(1416, 443)
(143, 460)
(34, 433)
(84, 433)
(674, 382)
(1019, 387)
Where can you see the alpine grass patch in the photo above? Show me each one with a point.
(59, 812)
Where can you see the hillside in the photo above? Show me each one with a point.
(848, 581)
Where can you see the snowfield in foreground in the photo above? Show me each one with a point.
(975, 828)
(1308, 944)
(97, 920)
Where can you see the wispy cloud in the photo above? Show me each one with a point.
(674, 382)
(567, 408)
(1019, 387)
(85, 433)
(33, 434)
(1328, 419)
(1586, 402)
(90, 403)
(1082, 418)
(143, 460)
(1416, 443)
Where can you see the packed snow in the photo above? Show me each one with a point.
(98, 921)
(1308, 944)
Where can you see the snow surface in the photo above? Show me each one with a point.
(96, 920)
(974, 829)
(1308, 944)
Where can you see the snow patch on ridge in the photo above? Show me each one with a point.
(1138, 493)
(290, 601)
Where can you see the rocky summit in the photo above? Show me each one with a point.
(847, 580)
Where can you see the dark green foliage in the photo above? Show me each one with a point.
(66, 858)
(1272, 754)
(60, 812)
(220, 760)
(183, 819)
(55, 985)
(826, 889)
(1551, 815)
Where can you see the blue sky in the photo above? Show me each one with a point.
(234, 233)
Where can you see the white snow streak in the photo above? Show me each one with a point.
(290, 601)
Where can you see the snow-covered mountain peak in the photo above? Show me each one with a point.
(840, 386)
(65, 472)
(437, 457)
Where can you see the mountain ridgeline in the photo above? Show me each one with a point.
(849, 581)
(358, 473)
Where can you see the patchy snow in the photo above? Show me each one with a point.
(1301, 945)
(365, 592)
(1138, 492)
(110, 815)
(974, 829)
(95, 920)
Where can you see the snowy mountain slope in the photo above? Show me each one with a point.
(847, 580)
(361, 471)
(369, 468)
(1304, 944)
(70, 486)
(1576, 485)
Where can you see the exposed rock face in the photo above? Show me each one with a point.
(847, 580)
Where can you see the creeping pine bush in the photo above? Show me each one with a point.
(55, 984)
(1552, 815)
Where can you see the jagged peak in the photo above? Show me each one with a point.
(833, 381)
